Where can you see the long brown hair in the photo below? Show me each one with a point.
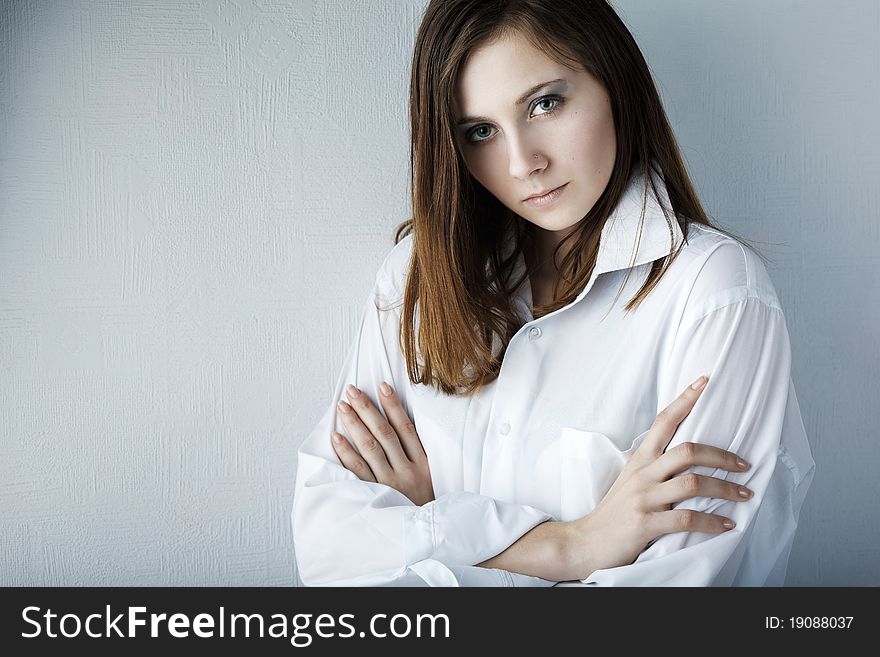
(458, 274)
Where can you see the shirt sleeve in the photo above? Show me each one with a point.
(349, 532)
(738, 338)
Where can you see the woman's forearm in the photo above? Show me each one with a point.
(541, 552)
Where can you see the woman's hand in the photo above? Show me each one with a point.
(637, 507)
(390, 450)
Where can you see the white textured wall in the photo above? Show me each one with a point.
(194, 197)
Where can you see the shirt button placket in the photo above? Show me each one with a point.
(504, 429)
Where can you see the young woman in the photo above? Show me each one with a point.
(540, 320)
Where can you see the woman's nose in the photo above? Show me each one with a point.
(524, 158)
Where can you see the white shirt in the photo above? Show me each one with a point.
(577, 392)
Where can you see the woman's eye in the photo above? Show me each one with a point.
(477, 136)
(548, 99)
(474, 133)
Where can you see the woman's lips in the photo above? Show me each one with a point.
(544, 201)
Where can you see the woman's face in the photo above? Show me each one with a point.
(561, 134)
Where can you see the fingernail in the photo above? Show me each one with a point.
(352, 391)
(343, 407)
(386, 389)
(728, 523)
(700, 383)
(745, 492)
(337, 438)
(742, 464)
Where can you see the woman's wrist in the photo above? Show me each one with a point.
(540, 552)
(574, 548)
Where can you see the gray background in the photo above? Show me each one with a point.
(195, 196)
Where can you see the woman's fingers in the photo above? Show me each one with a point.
(683, 456)
(371, 433)
(398, 417)
(691, 485)
(667, 422)
(350, 459)
(687, 520)
(390, 450)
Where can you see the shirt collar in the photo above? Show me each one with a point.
(620, 234)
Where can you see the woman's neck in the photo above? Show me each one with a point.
(539, 257)
(542, 273)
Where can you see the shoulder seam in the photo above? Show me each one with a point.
(750, 277)
(728, 239)
(746, 262)
(729, 297)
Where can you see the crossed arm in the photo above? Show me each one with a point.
(636, 510)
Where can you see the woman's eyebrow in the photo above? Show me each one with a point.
(477, 119)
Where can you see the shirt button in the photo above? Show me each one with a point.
(534, 333)
(505, 428)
